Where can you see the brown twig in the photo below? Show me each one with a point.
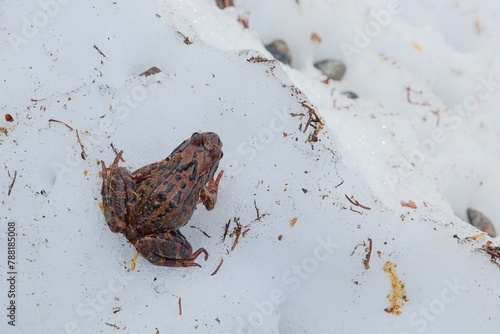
(205, 233)
(315, 121)
(55, 120)
(180, 306)
(356, 203)
(83, 154)
(366, 261)
(258, 211)
(408, 97)
(493, 251)
(187, 41)
(112, 325)
(99, 50)
(116, 152)
(358, 245)
(12, 183)
(237, 232)
(356, 211)
(226, 229)
(218, 267)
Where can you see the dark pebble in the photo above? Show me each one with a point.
(332, 68)
(350, 94)
(280, 51)
(479, 221)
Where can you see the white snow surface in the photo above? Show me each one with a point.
(426, 128)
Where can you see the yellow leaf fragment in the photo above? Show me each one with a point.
(134, 260)
(398, 296)
(418, 46)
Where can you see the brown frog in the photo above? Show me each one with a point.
(150, 205)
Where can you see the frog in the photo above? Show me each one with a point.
(151, 204)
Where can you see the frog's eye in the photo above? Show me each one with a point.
(198, 139)
(215, 153)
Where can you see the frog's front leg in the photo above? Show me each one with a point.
(169, 249)
(208, 194)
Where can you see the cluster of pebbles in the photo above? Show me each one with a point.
(333, 69)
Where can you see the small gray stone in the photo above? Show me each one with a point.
(350, 94)
(280, 51)
(332, 68)
(479, 221)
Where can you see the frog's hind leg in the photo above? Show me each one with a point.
(169, 249)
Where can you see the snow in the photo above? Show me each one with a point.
(425, 129)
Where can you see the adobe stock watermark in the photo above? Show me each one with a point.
(450, 120)
(105, 127)
(291, 280)
(378, 20)
(420, 320)
(249, 149)
(95, 303)
(31, 26)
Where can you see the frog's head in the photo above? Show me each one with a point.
(211, 147)
(208, 140)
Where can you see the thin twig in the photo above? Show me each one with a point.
(187, 41)
(55, 120)
(205, 233)
(226, 229)
(257, 209)
(116, 152)
(358, 245)
(99, 50)
(237, 231)
(83, 154)
(12, 183)
(366, 261)
(356, 203)
(315, 121)
(180, 306)
(356, 211)
(218, 267)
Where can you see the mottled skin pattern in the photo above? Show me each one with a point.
(152, 203)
